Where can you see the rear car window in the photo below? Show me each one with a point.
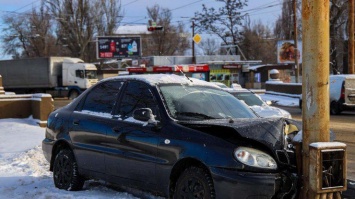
(102, 98)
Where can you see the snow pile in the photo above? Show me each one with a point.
(24, 172)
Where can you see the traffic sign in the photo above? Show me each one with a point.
(197, 38)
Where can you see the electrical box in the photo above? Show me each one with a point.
(327, 166)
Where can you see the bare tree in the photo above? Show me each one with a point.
(338, 30)
(283, 29)
(338, 34)
(75, 25)
(209, 46)
(108, 16)
(224, 22)
(172, 40)
(258, 42)
(29, 34)
(79, 21)
(15, 33)
(61, 27)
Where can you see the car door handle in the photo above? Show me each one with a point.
(76, 122)
(116, 129)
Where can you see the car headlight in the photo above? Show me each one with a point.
(255, 158)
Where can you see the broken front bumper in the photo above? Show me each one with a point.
(237, 184)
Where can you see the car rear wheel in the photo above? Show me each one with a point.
(65, 172)
(194, 182)
(335, 108)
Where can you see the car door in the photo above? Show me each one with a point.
(90, 125)
(133, 144)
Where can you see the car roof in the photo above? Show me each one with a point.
(155, 79)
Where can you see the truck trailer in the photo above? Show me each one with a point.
(58, 76)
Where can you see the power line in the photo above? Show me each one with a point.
(262, 7)
(130, 3)
(183, 6)
(15, 11)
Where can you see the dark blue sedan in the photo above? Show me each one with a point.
(173, 136)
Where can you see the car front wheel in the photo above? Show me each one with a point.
(73, 94)
(335, 108)
(65, 172)
(194, 182)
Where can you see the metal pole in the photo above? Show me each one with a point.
(315, 81)
(295, 39)
(351, 38)
(193, 43)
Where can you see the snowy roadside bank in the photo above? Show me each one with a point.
(24, 172)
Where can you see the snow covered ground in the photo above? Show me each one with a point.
(24, 170)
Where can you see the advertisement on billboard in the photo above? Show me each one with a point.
(118, 47)
(287, 52)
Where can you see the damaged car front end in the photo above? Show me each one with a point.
(266, 157)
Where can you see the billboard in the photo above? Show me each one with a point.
(287, 53)
(118, 47)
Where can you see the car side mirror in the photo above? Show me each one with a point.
(144, 115)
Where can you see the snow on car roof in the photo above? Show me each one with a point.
(155, 79)
(238, 90)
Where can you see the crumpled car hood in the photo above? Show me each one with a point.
(268, 131)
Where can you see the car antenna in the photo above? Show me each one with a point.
(230, 119)
(183, 73)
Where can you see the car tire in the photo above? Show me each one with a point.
(194, 182)
(65, 172)
(335, 108)
(300, 104)
(73, 94)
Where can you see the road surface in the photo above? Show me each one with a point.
(343, 126)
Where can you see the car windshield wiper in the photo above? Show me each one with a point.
(195, 115)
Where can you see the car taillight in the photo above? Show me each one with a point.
(342, 95)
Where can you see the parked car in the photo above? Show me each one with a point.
(172, 136)
(258, 105)
(236, 86)
(220, 84)
(224, 87)
(341, 93)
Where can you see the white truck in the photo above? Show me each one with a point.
(341, 93)
(58, 76)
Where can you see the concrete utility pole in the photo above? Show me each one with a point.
(296, 40)
(351, 38)
(193, 43)
(315, 81)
